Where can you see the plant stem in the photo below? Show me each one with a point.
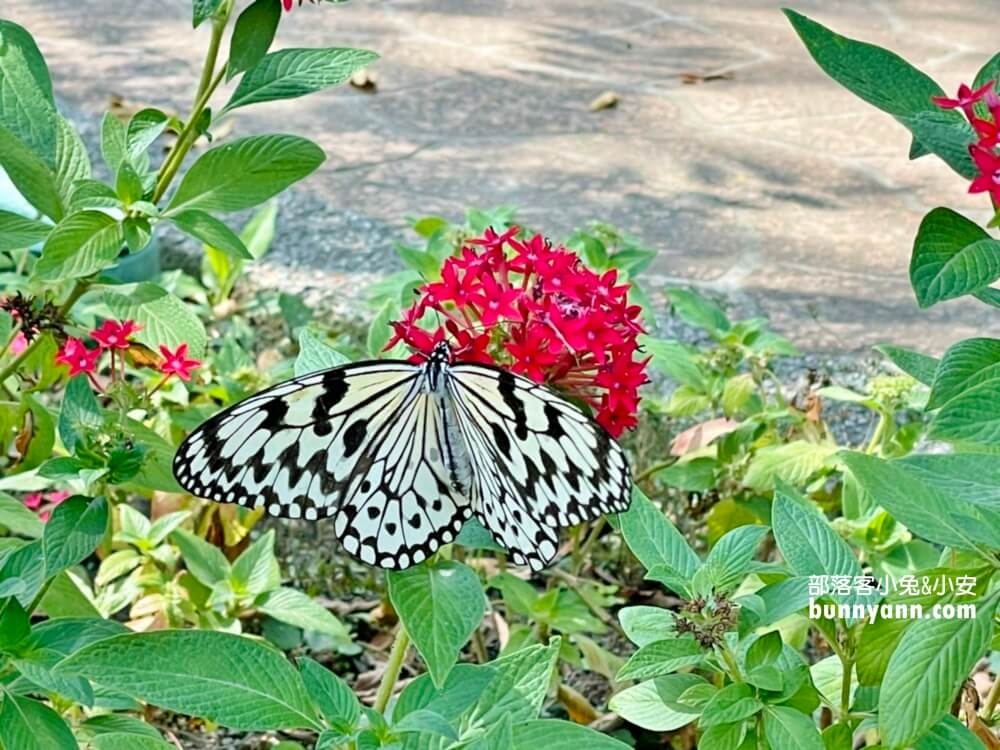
(397, 656)
(845, 688)
(655, 468)
(991, 700)
(210, 80)
(879, 434)
(580, 556)
(727, 656)
(16, 362)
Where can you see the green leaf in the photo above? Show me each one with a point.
(674, 359)
(121, 741)
(315, 354)
(732, 703)
(698, 311)
(330, 694)
(440, 605)
(80, 245)
(964, 365)
(118, 724)
(924, 510)
(426, 722)
(920, 367)
(17, 519)
(31, 176)
(73, 532)
(114, 143)
(379, 330)
(926, 670)
(245, 172)
(729, 560)
(519, 686)
(653, 539)
(128, 185)
(205, 561)
(465, 683)
(696, 475)
(17, 232)
(252, 35)
(256, 570)
(794, 462)
(952, 256)
(971, 477)
(296, 608)
(258, 233)
(948, 136)
(26, 724)
(645, 704)
(26, 563)
(144, 127)
(202, 10)
(807, 543)
(291, 73)
(949, 734)
(555, 734)
(14, 624)
(86, 194)
(972, 417)
(231, 680)
(789, 729)
(724, 737)
(644, 625)
(27, 107)
(80, 412)
(205, 227)
(884, 80)
(661, 657)
(164, 317)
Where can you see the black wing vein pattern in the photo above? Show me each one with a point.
(363, 444)
(538, 463)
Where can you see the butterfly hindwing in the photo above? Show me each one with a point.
(538, 462)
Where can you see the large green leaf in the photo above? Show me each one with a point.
(290, 73)
(297, 608)
(518, 688)
(17, 232)
(787, 728)
(331, 695)
(80, 245)
(553, 734)
(971, 417)
(794, 462)
(231, 680)
(72, 160)
(76, 527)
(971, 477)
(205, 561)
(807, 542)
(964, 365)
(245, 172)
(252, 35)
(949, 734)
(729, 560)
(646, 704)
(440, 604)
(885, 80)
(674, 359)
(256, 570)
(164, 317)
(661, 657)
(932, 661)
(952, 256)
(922, 507)
(26, 724)
(920, 367)
(27, 107)
(31, 176)
(654, 540)
(205, 227)
(202, 10)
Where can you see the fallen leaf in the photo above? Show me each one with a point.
(576, 705)
(607, 100)
(693, 78)
(697, 437)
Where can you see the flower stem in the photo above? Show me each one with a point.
(210, 80)
(655, 468)
(731, 664)
(991, 699)
(397, 656)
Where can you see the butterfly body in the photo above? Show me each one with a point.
(400, 455)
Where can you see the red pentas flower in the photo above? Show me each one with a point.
(78, 357)
(965, 98)
(536, 309)
(177, 363)
(115, 335)
(988, 164)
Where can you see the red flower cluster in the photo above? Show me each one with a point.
(987, 135)
(538, 310)
(113, 336)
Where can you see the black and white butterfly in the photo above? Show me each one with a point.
(400, 455)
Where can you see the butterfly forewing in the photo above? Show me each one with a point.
(538, 462)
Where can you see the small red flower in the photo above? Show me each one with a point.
(115, 335)
(33, 501)
(77, 357)
(287, 4)
(989, 168)
(965, 98)
(177, 362)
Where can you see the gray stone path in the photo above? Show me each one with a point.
(776, 187)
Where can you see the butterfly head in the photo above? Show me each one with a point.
(440, 354)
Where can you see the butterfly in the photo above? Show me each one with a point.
(400, 455)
